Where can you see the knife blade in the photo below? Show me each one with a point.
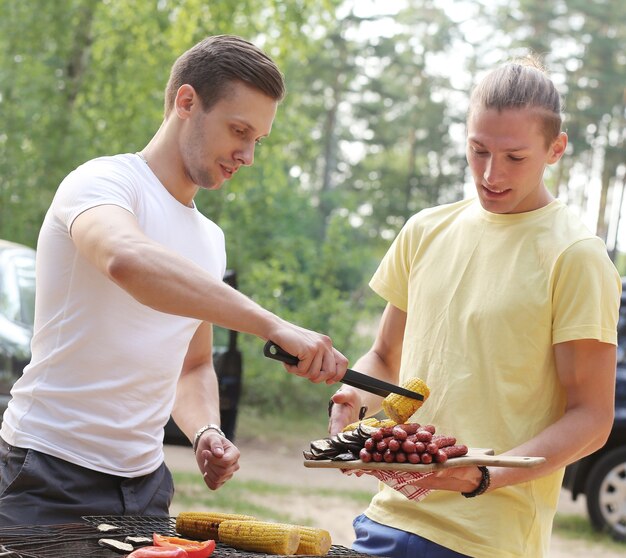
(351, 377)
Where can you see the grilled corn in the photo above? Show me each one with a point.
(204, 525)
(313, 542)
(260, 536)
(400, 408)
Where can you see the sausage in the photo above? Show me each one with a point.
(426, 458)
(413, 458)
(455, 451)
(389, 456)
(443, 441)
(394, 444)
(408, 446)
(440, 456)
(399, 433)
(377, 435)
(424, 436)
(420, 447)
(365, 455)
(408, 427)
(383, 444)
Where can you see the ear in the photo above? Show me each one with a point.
(184, 101)
(557, 148)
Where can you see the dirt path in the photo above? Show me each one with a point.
(336, 514)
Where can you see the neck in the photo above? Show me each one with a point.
(163, 157)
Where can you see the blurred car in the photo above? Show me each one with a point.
(17, 309)
(601, 476)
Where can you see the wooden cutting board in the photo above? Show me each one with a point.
(474, 456)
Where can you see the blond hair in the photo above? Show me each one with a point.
(521, 84)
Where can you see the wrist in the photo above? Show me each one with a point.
(201, 431)
(483, 485)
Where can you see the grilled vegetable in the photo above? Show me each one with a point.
(138, 541)
(372, 421)
(204, 525)
(158, 552)
(194, 549)
(260, 536)
(399, 408)
(105, 527)
(313, 542)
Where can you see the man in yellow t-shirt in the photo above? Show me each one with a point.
(507, 307)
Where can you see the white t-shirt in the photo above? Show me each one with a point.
(102, 380)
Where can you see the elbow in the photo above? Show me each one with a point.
(120, 266)
(604, 428)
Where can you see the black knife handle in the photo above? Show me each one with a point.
(273, 351)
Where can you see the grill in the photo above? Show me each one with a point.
(80, 540)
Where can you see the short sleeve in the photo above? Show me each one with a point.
(391, 279)
(97, 182)
(586, 290)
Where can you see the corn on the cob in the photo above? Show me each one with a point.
(400, 408)
(260, 536)
(313, 542)
(385, 423)
(372, 421)
(204, 525)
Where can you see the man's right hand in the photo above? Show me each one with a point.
(319, 361)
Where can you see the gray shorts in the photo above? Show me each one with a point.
(38, 489)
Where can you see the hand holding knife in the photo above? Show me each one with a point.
(351, 377)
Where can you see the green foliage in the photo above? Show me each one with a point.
(369, 133)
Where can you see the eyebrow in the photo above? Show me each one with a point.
(510, 150)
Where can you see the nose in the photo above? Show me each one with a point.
(493, 172)
(246, 155)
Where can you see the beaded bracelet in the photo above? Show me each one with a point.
(485, 481)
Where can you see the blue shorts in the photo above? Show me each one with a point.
(380, 540)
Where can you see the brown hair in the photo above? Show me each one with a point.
(522, 83)
(212, 65)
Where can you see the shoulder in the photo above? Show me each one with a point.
(434, 216)
(209, 226)
(114, 166)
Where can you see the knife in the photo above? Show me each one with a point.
(351, 377)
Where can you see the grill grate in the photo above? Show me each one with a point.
(54, 541)
(137, 525)
(77, 540)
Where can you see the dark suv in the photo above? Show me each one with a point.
(17, 308)
(601, 476)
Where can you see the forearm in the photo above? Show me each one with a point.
(165, 281)
(578, 433)
(197, 400)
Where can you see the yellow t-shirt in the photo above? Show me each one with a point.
(486, 297)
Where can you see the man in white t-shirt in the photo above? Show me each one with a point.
(129, 281)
